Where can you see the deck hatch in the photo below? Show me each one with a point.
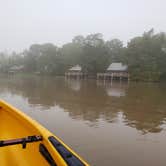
(43, 150)
(69, 158)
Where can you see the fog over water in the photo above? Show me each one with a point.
(26, 22)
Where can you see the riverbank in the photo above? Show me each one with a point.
(28, 74)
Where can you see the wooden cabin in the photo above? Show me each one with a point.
(115, 71)
(15, 69)
(75, 72)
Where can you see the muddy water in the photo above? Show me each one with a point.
(115, 124)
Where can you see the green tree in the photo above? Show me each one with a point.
(95, 55)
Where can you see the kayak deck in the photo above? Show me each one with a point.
(49, 151)
(10, 128)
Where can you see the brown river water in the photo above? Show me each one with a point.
(116, 124)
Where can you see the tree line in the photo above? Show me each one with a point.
(145, 56)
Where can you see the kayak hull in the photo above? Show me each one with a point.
(14, 125)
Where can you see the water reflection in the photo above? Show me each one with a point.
(114, 88)
(145, 107)
(142, 106)
(74, 84)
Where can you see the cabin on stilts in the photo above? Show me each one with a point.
(15, 69)
(115, 71)
(75, 72)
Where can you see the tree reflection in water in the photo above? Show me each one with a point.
(142, 106)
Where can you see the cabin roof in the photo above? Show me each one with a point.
(117, 67)
(76, 68)
(17, 67)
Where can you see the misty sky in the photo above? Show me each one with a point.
(24, 22)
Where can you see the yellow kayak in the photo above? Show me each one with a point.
(23, 142)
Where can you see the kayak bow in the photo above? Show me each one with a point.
(23, 141)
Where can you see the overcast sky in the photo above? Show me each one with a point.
(24, 22)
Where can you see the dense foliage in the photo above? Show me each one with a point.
(145, 55)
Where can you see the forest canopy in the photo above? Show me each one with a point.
(145, 56)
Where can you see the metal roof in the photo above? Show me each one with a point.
(17, 67)
(76, 68)
(117, 67)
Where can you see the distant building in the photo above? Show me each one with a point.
(115, 71)
(117, 67)
(16, 69)
(76, 68)
(75, 72)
